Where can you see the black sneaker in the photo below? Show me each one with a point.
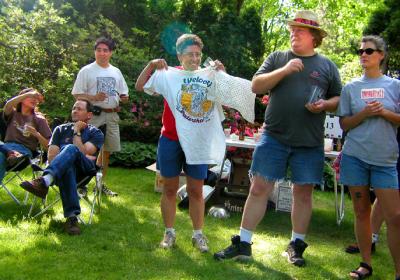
(238, 250)
(294, 252)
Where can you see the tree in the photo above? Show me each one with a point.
(385, 22)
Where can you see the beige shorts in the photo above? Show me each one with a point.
(112, 137)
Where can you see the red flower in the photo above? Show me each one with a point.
(265, 100)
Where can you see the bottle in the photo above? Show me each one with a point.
(339, 145)
(241, 130)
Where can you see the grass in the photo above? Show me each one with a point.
(122, 242)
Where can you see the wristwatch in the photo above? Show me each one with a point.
(77, 134)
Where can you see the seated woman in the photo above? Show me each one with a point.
(26, 128)
(369, 112)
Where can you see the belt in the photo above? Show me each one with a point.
(111, 110)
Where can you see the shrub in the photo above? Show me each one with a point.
(134, 154)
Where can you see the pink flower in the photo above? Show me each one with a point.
(237, 116)
(265, 100)
(134, 108)
(146, 123)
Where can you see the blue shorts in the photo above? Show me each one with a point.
(355, 172)
(271, 160)
(171, 161)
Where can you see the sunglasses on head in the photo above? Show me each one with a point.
(368, 51)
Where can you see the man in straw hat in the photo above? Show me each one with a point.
(303, 85)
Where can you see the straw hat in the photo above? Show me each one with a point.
(307, 19)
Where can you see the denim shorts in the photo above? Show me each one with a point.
(355, 172)
(171, 161)
(272, 158)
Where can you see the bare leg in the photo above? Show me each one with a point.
(194, 189)
(376, 217)
(102, 160)
(362, 223)
(168, 200)
(301, 207)
(390, 205)
(256, 203)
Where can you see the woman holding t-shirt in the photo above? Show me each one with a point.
(369, 112)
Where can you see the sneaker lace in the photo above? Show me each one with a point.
(201, 241)
(169, 238)
(106, 190)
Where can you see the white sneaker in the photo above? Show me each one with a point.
(168, 240)
(200, 242)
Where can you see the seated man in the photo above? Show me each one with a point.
(26, 128)
(73, 149)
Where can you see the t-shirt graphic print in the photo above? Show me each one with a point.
(198, 122)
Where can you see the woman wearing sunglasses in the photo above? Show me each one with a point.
(369, 112)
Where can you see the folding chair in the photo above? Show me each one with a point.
(82, 189)
(14, 171)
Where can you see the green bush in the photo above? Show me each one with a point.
(134, 154)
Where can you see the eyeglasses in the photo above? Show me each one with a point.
(368, 51)
(193, 54)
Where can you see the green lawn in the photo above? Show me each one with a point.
(122, 242)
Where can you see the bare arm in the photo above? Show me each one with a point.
(148, 70)
(329, 105)
(390, 116)
(373, 108)
(264, 82)
(13, 102)
(87, 148)
(43, 141)
(100, 96)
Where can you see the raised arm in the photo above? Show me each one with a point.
(264, 82)
(148, 70)
(13, 102)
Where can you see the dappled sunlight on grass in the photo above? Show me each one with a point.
(123, 241)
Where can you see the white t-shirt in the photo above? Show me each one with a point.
(198, 122)
(93, 78)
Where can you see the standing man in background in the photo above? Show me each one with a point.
(104, 86)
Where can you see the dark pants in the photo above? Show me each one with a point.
(66, 167)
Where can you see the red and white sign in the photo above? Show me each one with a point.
(372, 93)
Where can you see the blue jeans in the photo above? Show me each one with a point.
(7, 147)
(272, 158)
(66, 167)
(355, 172)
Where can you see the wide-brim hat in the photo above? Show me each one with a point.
(307, 19)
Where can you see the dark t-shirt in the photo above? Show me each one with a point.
(286, 118)
(64, 134)
(15, 129)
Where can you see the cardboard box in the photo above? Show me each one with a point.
(159, 181)
(240, 172)
(282, 196)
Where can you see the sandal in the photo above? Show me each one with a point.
(361, 275)
(353, 248)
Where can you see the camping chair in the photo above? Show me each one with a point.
(14, 171)
(82, 182)
(333, 130)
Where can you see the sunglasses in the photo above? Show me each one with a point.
(368, 51)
